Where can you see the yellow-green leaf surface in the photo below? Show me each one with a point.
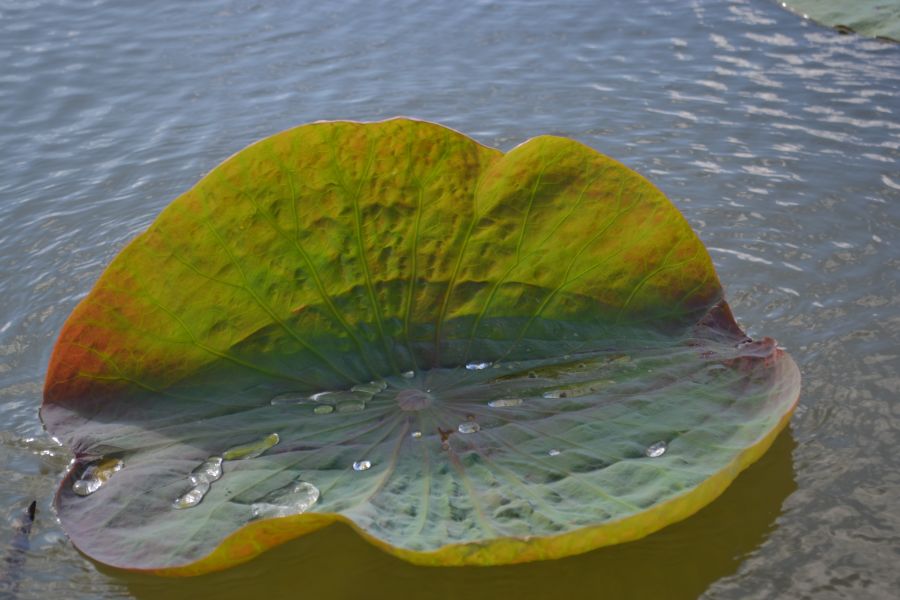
(471, 357)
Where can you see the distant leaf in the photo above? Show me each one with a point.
(472, 357)
(874, 18)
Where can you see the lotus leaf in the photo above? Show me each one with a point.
(874, 18)
(471, 357)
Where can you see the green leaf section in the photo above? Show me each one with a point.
(472, 357)
(338, 252)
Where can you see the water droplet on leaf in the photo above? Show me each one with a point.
(553, 452)
(416, 435)
(293, 499)
(192, 497)
(408, 374)
(289, 398)
(209, 470)
(505, 402)
(95, 475)
(469, 427)
(477, 366)
(362, 465)
(371, 388)
(323, 409)
(656, 450)
(251, 449)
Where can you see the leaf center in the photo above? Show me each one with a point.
(413, 399)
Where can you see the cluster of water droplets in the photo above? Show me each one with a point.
(342, 401)
(210, 470)
(201, 479)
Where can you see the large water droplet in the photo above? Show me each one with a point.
(193, 496)
(201, 478)
(289, 398)
(477, 366)
(208, 471)
(408, 374)
(251, 449)
(505, 402)
(344, 401)
(577, 391)
(323, 409)
(656, 450)
(86, 487)
(469, 427)
(362, 465)
(293, 499)
(553, 452)
(371, 388)
(95, 476)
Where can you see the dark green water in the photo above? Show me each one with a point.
(778, 139)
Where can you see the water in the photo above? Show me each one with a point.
(293, 499)
(779, 140)
(371, 388)
(362, 465)
(477, 366)
(95, 476)
(505, 402)
(193, 496)
(251, 449)
(656, 449)
(209, 470)
(469, 427)
(202, 479)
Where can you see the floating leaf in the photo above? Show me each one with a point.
(873, 18)
(471, 357)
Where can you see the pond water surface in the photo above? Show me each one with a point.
(778, 139)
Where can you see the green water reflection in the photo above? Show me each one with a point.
(679, 562)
